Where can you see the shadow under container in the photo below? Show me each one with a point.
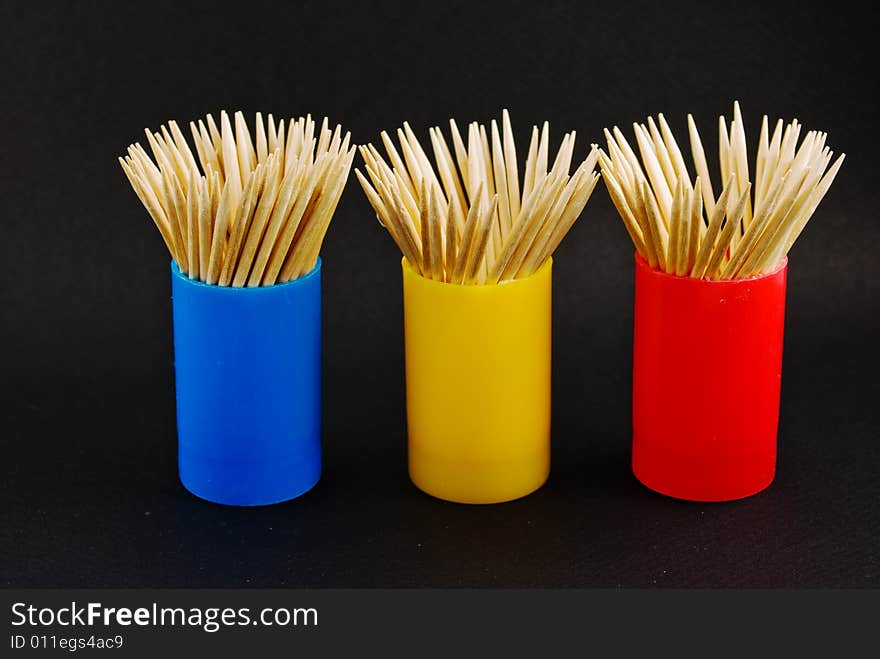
(707, 370)
(478, 386)
(247, 365)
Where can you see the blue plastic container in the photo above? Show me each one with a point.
(247, 365)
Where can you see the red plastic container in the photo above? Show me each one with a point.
(707, 368)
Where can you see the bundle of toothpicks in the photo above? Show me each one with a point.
(472, 219)
(675, 220)
(242, 212)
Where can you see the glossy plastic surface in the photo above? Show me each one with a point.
(478, 386)
(707, 367)
(248, 374)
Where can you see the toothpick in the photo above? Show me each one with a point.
(745, 234)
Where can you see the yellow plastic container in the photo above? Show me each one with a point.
(478, 386)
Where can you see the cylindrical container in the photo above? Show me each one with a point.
(247, 365)
(478, 386)
(707, 368)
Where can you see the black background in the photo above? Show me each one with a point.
(90, 495)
